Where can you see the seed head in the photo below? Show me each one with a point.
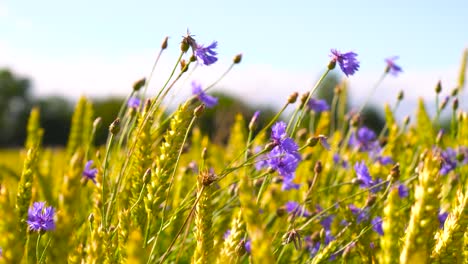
(237, 58)
(138, 84)
(114, 128)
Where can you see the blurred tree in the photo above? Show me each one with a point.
(15, 102)
(56, 113)
(107, 109)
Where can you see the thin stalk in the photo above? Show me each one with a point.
(104, 177)
(374, 88)
(151, 74)
(301, 116)
(37, 247)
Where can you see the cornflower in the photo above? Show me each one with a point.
(347, 61)
(206, 99)
(392, 68)
(377, 225)
(206, 55)
(41, 218)
(88, 173)
(133, 102)
(295, 209)
(317, 105)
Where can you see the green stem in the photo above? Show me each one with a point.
(376, 85)
(304, 106)
(104, 177)
(37, 247)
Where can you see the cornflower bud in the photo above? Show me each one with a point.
(114, 128)
(455, 104)
(147, 176)
(401, 95)
(292, 98)
(237, 58)
(438, 88)
(253, 121)
(138, 84)
(164, 43)
(304, 98)
(318, 167)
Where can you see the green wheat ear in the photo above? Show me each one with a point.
(34, 130)
(423, 222)
(229, 252)
(393, 227)
(424, 123)
(449, 242)
(236, 143)
(203, 219)
(165, 163)
(81, 126)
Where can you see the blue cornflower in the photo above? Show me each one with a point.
(361, 214)
(317, 105)
(312, 246)
(281, 139)
(385, 160)
(226, 234)
(41, 218)
(88, 173)
(402, 191)
(377, 225)
(363, 176)
(364, 140)
(206, 55)
(442, 216)
(347, 61)
(248, 246)
(133, 102)
(338, 160)
(392, 68)
(449, 161)
(296, 209)
(208, 100)
(288, 184)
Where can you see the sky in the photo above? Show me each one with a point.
(99, 48)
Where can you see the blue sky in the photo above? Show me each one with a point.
(99, 47)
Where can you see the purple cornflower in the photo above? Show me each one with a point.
(206, 55)
(133, 102)
(281, 139)
(284, 163)
(385, 160)
(365, 140)
(392, 68)
(296, 209)
(248, 246)
(317, 105)
(361, 214)
(377, 225)
(338, 160)
(208, 100)
(347, 61)
(442, 216)
(312, 246)
(226, 234)
(449, 161)
(402, 191)
(88, 173)
(41, 218)
(288, 184)
(363, 176)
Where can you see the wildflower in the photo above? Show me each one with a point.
(312, 246)
(41, 218)
(282, 162)
(363, 176)
(402, 191)
(318, 106)
(296, 209)
(206, 99)
(206, 55)
(227, 234)
(377, 225)
(385, 160)
(328, 237)
(442, 216)
(281, 139)
(248, 246)
(347, 61)
(288, 184)
(361, 214)
(323, 141)
(326, 220)
(88, 173)
(365, 140)
(449, 161)
(133, 102)
(392, 68)
(338, 160)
